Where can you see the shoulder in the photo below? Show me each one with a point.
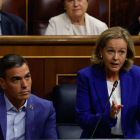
(91, 73)
(41, 103)
(56, 25)
(87, 72)
(12, 17)
(135, 70)
(95, 21)
(87, 69)
(59, 17)
(95, 26)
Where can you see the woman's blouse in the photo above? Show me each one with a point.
(79, 30)
(116, 96)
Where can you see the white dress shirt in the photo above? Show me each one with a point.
(15, 121)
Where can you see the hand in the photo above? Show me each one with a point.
(115, 110)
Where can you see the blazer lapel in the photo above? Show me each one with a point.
(5, 25)
(101, 88)
(3, 115)
(68, 25)
(29, 125)
(89, 26)
(126, 81)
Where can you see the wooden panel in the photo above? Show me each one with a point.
(33, 46)
(122, 12)
(31, 16)
(137, 62)
(47, 50)
(47, 40)
(137, 49)
(61, 66)
(104, 11)
(37, 73)
(47, 45)
(16, 7)
(66, 78)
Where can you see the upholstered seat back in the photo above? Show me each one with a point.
(44, 10)
(64, 103)
(16, 7)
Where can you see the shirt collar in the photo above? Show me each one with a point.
(9, 105)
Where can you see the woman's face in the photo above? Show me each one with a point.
(114, 55)
(76, 8)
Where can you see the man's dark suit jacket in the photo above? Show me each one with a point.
(12, 25)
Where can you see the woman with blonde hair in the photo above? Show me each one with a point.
(112, 61)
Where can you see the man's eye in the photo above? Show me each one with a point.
(70, 0)
(28, 76)
(16, 79)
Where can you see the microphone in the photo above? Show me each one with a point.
(114, 86)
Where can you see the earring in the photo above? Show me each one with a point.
(125, 58)
(101, 56)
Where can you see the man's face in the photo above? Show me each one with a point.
(17, 86)
(0, 4)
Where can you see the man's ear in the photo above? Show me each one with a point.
(2, 83)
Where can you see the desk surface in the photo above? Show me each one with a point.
(28, 39)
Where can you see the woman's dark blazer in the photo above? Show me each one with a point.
(92, 95)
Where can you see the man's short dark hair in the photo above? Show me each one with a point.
(10, 61)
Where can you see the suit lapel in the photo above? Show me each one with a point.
(101, 88)
(5, 25)
(3, 115)
(126, 81)
(88, 25)
(29, 125)
(68, 25)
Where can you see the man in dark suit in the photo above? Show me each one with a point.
(11, 24)
(23, 115)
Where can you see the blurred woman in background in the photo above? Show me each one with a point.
(75, 21)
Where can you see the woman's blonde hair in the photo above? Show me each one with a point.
(114, 33)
